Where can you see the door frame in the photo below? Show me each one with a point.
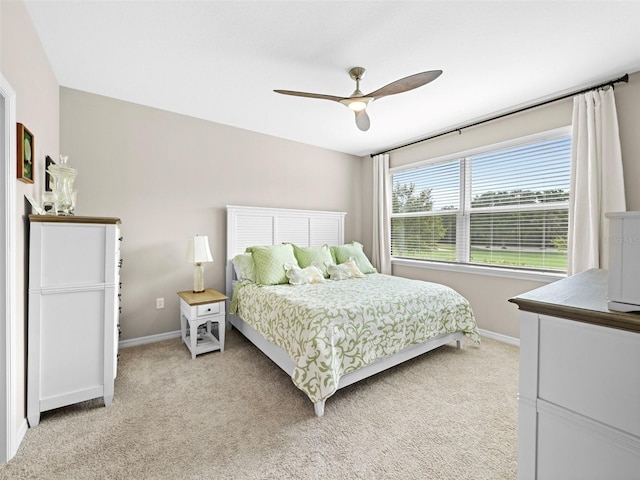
(8, 363)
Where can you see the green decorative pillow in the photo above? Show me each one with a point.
(269, 261)
(353, 249)
(317, 256)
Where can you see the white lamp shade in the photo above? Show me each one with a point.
(198, 249)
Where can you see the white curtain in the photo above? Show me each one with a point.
(597, 182)
(381, 203)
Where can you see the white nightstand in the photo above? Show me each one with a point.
(198, 309)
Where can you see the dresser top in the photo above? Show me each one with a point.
(581, 297)
(72, 219)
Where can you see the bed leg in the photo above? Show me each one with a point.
(319, 408)
(458, 344)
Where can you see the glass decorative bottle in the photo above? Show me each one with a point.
(63, 177)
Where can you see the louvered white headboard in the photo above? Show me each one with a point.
(248, 226)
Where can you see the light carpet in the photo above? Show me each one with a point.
(449, 414)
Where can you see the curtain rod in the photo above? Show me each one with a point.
(610, 83)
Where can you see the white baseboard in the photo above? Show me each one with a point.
(21, 432)
(499, 337)
(132, 342)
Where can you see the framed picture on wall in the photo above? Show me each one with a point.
(26, 154)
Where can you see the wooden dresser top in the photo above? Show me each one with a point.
(72, 219)
(582, 298)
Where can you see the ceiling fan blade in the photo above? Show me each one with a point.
(407, 83)
(309, 95)
(362, 120)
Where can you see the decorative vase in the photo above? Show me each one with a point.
(63, 177)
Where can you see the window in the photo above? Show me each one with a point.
(504, 206)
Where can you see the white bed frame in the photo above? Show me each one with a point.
(247, 226)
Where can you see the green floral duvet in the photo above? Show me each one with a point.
(336, 327)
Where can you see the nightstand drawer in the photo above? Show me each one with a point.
(208, 309)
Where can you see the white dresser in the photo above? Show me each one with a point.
(73, 311)
(579, 395)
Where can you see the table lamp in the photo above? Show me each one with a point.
(197, 253)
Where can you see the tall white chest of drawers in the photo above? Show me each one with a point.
(579, 398)
(73, 312)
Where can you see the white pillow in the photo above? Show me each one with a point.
(338, 272)
(243, 266)
(352, 265)
(344, 271)
(302, 276)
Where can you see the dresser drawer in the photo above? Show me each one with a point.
(572, 448)
(591, 370)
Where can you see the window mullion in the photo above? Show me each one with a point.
(462, 219)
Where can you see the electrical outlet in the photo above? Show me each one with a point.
(159, 302)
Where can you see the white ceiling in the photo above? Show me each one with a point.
(220, 61)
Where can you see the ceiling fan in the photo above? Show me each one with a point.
(358, 101)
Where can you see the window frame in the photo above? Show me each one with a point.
(463, 213)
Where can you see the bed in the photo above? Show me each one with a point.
(330, 334)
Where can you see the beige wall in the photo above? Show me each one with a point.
(628, 107)
(170, 176)
(489, 294)
(25, 66)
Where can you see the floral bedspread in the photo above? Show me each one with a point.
(333, 328)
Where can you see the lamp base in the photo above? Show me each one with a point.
(198, 278)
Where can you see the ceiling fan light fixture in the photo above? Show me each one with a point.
(356, 104)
